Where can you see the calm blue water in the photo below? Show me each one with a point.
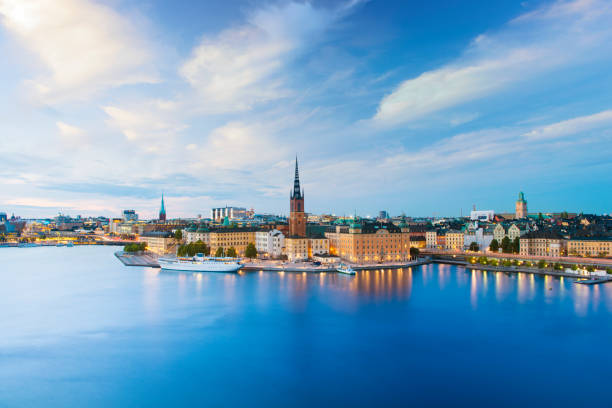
(77, 328)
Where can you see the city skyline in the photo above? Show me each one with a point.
(393, 106)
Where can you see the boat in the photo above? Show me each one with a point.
(70, 244)
(346, 269)
(200, 263)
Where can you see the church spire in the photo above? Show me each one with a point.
(162, 210)
(297, 193)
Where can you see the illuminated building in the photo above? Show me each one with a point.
(521, 207)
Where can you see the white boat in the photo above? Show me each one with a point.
(200, 263)
(345, 269)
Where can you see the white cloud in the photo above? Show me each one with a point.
(70, 134)
(571, 126)
(244, 65)
(558, 35)
(84, 46)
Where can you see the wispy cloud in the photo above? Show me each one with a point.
(555, 36)
(83, 46)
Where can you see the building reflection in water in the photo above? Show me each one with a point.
(151, 292)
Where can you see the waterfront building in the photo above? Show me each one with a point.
(270, 243)
(197, 233)
(431, 239)
(162, 210)
(542, 243)
(232, 213)
(589, 247)
(226, 237)
(481, 236)
(499, 232)
(521, 207)
(160, 242)
(366, 242)
(129, 215)
(454, 240)
(296, 248)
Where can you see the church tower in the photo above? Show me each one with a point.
(297, 217)
(162, 211)
(521, 207)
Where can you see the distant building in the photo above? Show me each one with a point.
(431, 239)
(3, 217)
(162, 210)
(521, 207)
(129, 215)
(590, 247)
(160, 242)
(384, 215)
(232, 213)
(482, 215)
(454, 240)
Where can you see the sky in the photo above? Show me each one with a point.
(420, 108)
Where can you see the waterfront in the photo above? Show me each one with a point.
(79, 328)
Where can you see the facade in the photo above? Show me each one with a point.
(233, 213)
(521, 207)
(270, 242)
(499, 232)
(193, 234)
(431, 239)
(454, 240)
(162, 210)
(542, 243)
(370, 242)
(590, 247)
(296, 249)
(226, 237)
(159, 242)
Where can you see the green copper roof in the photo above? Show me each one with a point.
(226, 222)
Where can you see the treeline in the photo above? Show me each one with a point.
(135, 247)
(507, 246)
(193, 248)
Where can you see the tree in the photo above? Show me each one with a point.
(506, 245)
(250, 251)
(541, 264)
(414, 252)
(135, 247)
(516, 245)
(474, 247)
(494, 247)
(590, 268)
(178, 235)
(220, 252)
(231, 252)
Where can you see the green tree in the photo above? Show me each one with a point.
(474, 247)
(250, 251)
(609, 271)
(516, 245)
(231, 252)
(506, 245)
(220, 252)
(590, 268)
(178, 235)
(541, 264)
(414, 252)
(494, 247)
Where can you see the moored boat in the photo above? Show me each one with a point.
(346, 269)
(200, 263)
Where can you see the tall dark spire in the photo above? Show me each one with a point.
(297, 193)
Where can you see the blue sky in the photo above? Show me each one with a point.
(416, 107)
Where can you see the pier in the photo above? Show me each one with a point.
(137, 259)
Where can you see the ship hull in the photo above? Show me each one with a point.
(206, 266)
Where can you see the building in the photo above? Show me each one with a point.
(160, 242)
(195, 234)
(454, 240)
(499, 232)
(270, 243)
(129, 215)
(297, 217)
(233, 213)
(302, 243)
(431, 239)
(589, 247)
(542, 243)
(162, 210)
(226, 237)
(521, 207)
(383, 215)
(482, 215)
(367, 242)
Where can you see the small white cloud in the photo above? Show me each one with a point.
(69, 133)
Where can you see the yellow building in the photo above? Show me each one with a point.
(226, 237)
(542, 243)
(589, 247)
(161, 242)
(455, 240)
(370, 242)
(296, 248)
